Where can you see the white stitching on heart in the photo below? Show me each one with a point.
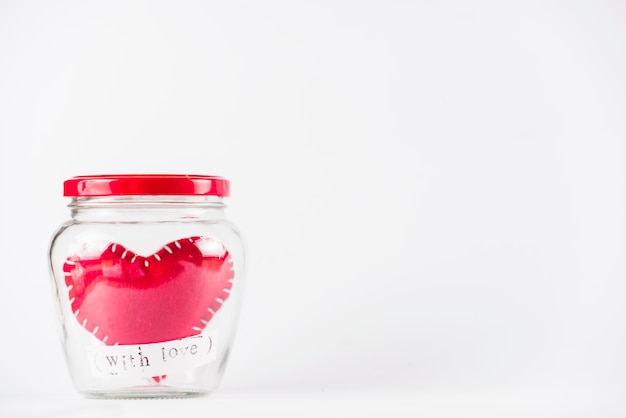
(71, 266)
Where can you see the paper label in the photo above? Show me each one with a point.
(152, 359)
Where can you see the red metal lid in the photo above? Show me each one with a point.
(146, 184)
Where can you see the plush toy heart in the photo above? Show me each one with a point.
(125, 298)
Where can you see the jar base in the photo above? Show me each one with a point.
(137, 393)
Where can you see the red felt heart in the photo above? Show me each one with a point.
(125, 298)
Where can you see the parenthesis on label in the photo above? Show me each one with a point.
(210, 345)
(96, 362)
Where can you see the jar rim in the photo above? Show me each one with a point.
(146, 184)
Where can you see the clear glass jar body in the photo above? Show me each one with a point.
(148, 292)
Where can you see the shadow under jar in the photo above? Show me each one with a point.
(148, 277)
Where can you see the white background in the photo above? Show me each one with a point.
(432, 194)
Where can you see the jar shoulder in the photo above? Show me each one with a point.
(143, 237)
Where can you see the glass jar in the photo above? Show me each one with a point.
(147, 277)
